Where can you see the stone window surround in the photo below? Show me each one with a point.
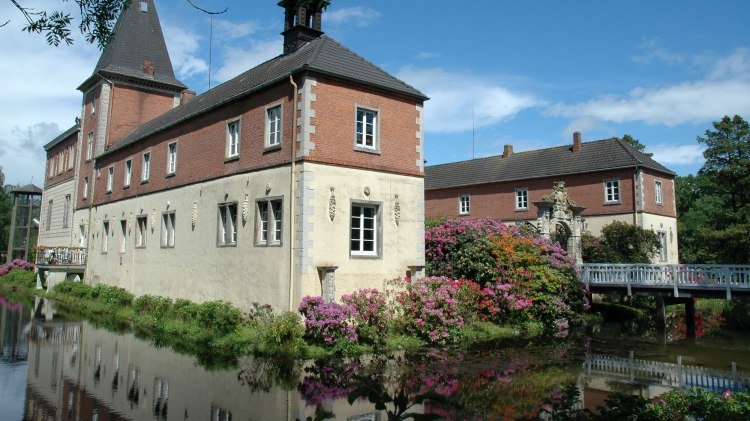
(168, 222)
(140, 236)
(224, 209)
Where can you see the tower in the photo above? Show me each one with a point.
(301, 24)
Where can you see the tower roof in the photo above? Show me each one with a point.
(137, 48)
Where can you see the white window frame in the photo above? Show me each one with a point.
(360, 129)
(85, 187)
(124, 232)
(658, 193)
(522, 199)
(110, 178)
(168, 222)
(105, 236)
(82, 233)
(664, 246)
(72, 154)
(612, 191)
(273, 126)
(464, 204)
(233, 138)
(141, 228)
(128, 173)
(357, 224)
(227, 225)
(146, 168)
(270, 221)
(90, 146)
(171, 158)
(94, 97)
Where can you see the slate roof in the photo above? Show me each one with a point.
(137, 38)
(29, 188)
(322, 55)
(62, 136)
(600, 155)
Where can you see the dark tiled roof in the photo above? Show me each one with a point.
(137, 38)
(600, 155)
(322, 55)
(64, 135)
(29, 188)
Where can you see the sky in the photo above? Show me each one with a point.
(527, 73)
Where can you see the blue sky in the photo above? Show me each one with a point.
(531, 72)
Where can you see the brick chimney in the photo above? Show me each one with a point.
(187, 95)
(507, 151)
(577, 142)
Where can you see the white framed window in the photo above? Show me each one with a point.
(82, 235)
(612, 191)
(124, 232)
(658, 193)
(172, 158)
(66, 211)
(167, 229)
(65, 160)
(85, 187)
(364, 230)
(522, 199)
(105, 237)
(94, 97)
(50, 167)
(49, 215)
(270, 222)
(146, 169)
(233, 139)
(128, 172)
(367, 129)
(71, 154)
(464, 205)
(663, 246)
(90, 146)
(227, 230)
(110, 178)
(273, 126)
(141, 227)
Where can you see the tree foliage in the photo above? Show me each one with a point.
(621, 242)
(714, 206)
(636, 144)
(6, 209)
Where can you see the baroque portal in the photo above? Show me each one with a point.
(560, 218)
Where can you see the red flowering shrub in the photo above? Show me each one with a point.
(327, 322)
(370, 311)
(430, 310)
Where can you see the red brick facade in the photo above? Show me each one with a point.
(131, 107)
(61, 161)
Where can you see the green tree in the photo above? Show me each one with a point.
(6, 209)
(621, 242)
(636, 144)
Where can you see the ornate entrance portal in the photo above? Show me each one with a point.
(559, 218)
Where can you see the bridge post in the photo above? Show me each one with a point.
(690, 318)
(728, 280)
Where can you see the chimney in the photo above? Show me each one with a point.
(187, 95)
(577, 142)
(507, 151)
(148, 68)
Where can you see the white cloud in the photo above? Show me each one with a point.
(670, 154)
(427, 55)
(453, 96)
(183, 46)
(358, 16)
(237, 60)
(228, 30)
(587, 126)
(736, 65)
(652, 51)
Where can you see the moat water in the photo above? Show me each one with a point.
(56, 368)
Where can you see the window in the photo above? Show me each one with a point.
(49, 215)
(612, 191)
(172, 158)
(110, 178)
(124, 232)
(57, 164)
(522, 199)
(146, 170)
(167, 229)
(141, 223)
(662, 246)
(367, 125)
(227, 233)
(658, 192)
(85, 187)
(105, 236)
(269, 222)
(66, 211)
(90, 146)
(273, 126)
(464, 205)
(93, 103)
(233, 139)
(82, 235)
(50, 168)
(71, 156)
(363, 237)
(65, 159)
(128, 169)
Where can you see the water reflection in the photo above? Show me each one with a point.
(78, 371)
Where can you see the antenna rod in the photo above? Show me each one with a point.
(473, 139)
(211, 35)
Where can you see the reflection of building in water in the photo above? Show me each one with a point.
(77, 371)
(13, 343)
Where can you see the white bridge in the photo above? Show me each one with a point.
(673, 375)
(675, 280)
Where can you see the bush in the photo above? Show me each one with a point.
(371, 313)
(621, 242)
(16, 264)
(429, 309)
(149, 304)
(218, 315)
(22, 277)
(110, 295)
(282, 334)
(327, 322)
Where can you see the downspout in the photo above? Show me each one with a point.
(292, 192)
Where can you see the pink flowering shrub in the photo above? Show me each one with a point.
(15, 264)
(504, 301)
(327, 322)
(371, 313)
(430, 310)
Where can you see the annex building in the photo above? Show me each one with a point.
(301, 176)
(563, 191)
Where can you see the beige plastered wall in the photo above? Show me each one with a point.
(667, 225)
(327, 245)
(57, 234)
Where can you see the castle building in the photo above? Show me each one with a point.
(301, 176)
(564, 191)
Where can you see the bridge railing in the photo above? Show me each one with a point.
(720, 277)
(61, 256)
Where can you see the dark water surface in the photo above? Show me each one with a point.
(54, 368)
